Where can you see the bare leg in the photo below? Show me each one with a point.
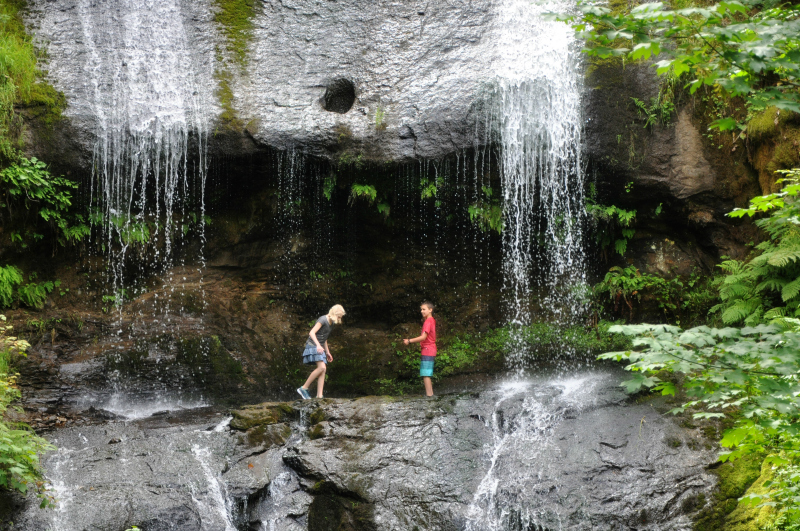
(314, 374)
(321, 379)
(428, 386)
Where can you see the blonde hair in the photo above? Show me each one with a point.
(335, 314)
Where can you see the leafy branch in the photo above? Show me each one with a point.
(753, 56)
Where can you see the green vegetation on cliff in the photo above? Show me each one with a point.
(34, 204)
(750, 374)
(766, 288)
(743, 53)
(20, 81)
(20, 447)
(235, 19)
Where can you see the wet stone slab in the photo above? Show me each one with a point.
(547, 453)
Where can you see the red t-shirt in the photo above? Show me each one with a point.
(429, 343)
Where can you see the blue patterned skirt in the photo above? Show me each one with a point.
(311, 356)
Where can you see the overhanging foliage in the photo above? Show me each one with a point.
(755, 55)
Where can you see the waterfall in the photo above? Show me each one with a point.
(538, 122)
(150, 150)
(524, 418)
(211, 499)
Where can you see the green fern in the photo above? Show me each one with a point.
(10, 278)
(767, 287)
(614, 226)
(772, 284)
(790, 290)
(34, 294)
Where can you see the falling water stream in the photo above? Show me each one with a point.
(518, 440)
(150, 149)
(538, 111)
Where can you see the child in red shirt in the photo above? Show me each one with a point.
(428, 343)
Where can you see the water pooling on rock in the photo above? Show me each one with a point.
(539, 120)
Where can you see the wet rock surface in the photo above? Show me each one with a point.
(552, 452)
(420, 66)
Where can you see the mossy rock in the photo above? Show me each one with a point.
(768, 123)
(317, 416)
(265, 414)
(774, 137)
(316, 432)
(735, 478)
(268, 435)
(235, 19)
(747, 517)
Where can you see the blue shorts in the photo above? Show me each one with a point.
(311, 356)
(426, 365)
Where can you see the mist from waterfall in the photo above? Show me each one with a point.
(538, 122)
(150, 150)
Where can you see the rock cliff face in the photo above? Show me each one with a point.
(387, 81)
(681, 179)
(400, 78)
(551, 453)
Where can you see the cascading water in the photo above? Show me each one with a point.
(515, 471)
(538, 119)
(150, 154)
(212, 501)
(538, 124)
(149, 166)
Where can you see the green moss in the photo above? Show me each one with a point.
(235, 18)
(787, 151)
(229, 116)
(747, 517)
(46, 103)
(20, 79)
(734, 480)
(766, 124)
(274, 435)
(316, 416)
(316, 432)
(265, 414)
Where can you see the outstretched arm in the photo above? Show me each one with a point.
(417, 339)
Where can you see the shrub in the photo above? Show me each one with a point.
(10, 278)
(627, 290)
(20, 447)
(27, 186)
(749, 374)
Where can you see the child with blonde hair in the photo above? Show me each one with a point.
(317, 352)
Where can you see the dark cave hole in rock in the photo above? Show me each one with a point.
(339, 96)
